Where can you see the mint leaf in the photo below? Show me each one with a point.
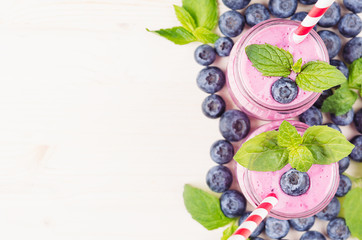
(178, 35)
(353, 211)
(340, 102)
(205, 36)
(301, 158)
(204, 208)
(270, 60)
(355, 74)
(185, 18)
(262, 153)
(203, 11)
(229, 231)
(288, 135)
(297, 67)
(317, 76)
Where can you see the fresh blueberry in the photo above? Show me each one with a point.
(337, 229)
(340, 66)
(259, 229)
(356, 153)
(352, 50)
(232, 203)
(312, 116)
(332, 41)
(312, 235)
(205, 55)
(302, 224)
(222, 151)
(334, 126)
(353, 5)
(343, 164)
(275, 228)
(284, 90)
(231, 23)
(223, 46)
(257, 238)
(236, 4)
(299, 16)
(211, 79)
(255, 14)
(282, 8)
(324, 95)
(330, 211)
(219, 178)
(213, 106)
(308, 2)
(358, 120)
(350, 25)
(234, 125)
(344, 119)
(344, 186)
(294, 183)
(331, 16)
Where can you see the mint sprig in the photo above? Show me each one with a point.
(230, 230)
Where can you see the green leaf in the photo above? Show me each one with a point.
(262, 153)
(301, 158)
(185, 18)
(355, 74)
(270, 60)
(229, 231)
(340, 102)
(353, 211)
(204, 208)
(317, 76)
(288, 135)
(204, 12)
(297, 67)
(205, 36)
(178, 35)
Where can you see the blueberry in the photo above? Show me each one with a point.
(356, 153)
(257, 238)
(344, 119)
(302, 224)
(259, 229)
(331, 16)
(353, 5)
(344, 186)
(205, 55)
(358, 120)
(299, 16)
(352, 50)
(231, 23)
(312, 235)
(337, 229)
(312, 116)
(294, 183)
(236, 4)
(232, 203)
(332, 41)
(234, 125)
(256, 13)
(308, 2)
(211, 79)
(340, 66)
(343, 164)
(330, 211)
(213, 106)
(284, 90)
(282, 8)
(222, 152)
(223, 46)
(334, 126)
(350, 25)
(324, 95)
(275, 228)
(219, 178)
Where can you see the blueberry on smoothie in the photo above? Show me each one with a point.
(334, 126)
(294, 183)
(299, 16)
(324, 95)
(331, 16)
(302, 224)
(282, 8)
(340, 66)
(350, 25)
(259, 229)
(358, 120)
(311, 117)
(337, 229)
(219, 178)
(211, 79)
(344, 186)
(256, 13)
(344, 119)
(343, 164)
(222, 151)
(213, 106)
(308, 2)
(234, 125)
(332, 41)
(231, 23)
(223, 46)
(353, 5)
(312, 235)
(352, 50)
(232, 203)
(330, 211)
(275, 228)
(356, 153)
(205, 55)
(236, 4)
(284, 90)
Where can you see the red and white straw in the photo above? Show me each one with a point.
(311, 19)
(255, 218)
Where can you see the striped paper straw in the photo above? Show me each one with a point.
(255, 218)
(311, 19)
